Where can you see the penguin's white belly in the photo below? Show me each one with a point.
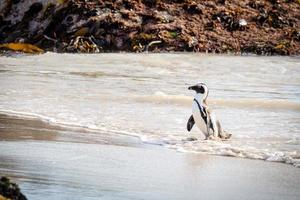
(198, 119)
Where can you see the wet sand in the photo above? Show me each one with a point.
(50, 162)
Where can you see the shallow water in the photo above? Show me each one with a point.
(63, 170)
(257, 99)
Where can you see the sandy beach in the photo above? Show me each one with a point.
(51, 162)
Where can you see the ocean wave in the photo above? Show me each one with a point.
(234, 148)
(238, 151)
(160, 97)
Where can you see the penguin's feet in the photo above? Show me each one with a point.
(225, 135)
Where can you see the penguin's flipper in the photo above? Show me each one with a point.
(190, 123)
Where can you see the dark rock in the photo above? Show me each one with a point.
(55, 27)
(192, 8)
(296, 35)
(229, 23)
(262, 18)
(222, 2)
(92, 13)
(175, 1)
(274, 1)
(16, 1)
(10, 190)
(34, 9)
(209, 26)
(150, 3)
(267, 49)
(255, 5)
(275, 20)
(128, 4)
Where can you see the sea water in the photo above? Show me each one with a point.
(257, 99)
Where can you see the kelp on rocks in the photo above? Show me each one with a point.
(22, 47)
(261, 27)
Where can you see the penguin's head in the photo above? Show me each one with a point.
(199, 88)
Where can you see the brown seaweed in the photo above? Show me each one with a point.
(250, 26)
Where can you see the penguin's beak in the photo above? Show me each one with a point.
(192, 87)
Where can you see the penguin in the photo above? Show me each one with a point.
(203, 117)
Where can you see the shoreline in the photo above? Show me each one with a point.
(12, 53)
(32, 128)
(5, 52)
(50, 162)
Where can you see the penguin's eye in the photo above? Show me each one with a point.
(201, 89)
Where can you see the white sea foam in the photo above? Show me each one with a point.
(180, 143)
(240, 151)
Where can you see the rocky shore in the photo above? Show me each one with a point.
(265, 27)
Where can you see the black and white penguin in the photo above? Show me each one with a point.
(205, 120)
